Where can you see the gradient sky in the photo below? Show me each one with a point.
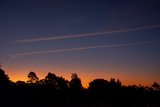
(31, 26)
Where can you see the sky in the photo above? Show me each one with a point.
(93, 38)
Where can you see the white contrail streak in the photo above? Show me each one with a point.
(87, 34)
(84, 48)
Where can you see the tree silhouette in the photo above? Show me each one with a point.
(156, 86)
(4, 79)
(75, 82)
(56, 91)
(98, 84)
(51, 80)
(115, 83)
(32, 77)
(62, 83)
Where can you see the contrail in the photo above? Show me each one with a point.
(87, 34)
(84, 48)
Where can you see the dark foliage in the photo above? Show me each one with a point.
(4, 80)
(55, 91)
(32, 77)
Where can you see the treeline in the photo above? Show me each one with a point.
(55, 91)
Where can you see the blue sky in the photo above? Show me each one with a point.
(36, 19)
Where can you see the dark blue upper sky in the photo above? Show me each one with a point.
(33, 19)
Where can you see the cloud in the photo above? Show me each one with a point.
(87, 34)
(84, 48)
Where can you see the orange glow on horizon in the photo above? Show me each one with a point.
(86, 77)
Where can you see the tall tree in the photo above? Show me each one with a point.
(4, 79)
(75, 82)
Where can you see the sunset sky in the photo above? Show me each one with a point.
(93, 38)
